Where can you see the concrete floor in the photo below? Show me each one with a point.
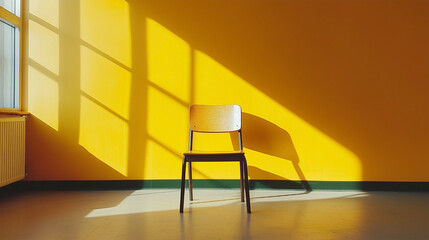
(215, 214)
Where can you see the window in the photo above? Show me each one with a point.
(10, 23)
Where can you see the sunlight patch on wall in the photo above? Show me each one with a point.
(167, 121)
(168, 61)
(270, 167)
(105, 24)
(171, 64)
(47, 10)
(161, 163)
(104, 135)
(43, 97)
(319, 156)
(43, 46)
(106, 82)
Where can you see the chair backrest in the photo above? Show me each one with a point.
(215, 118)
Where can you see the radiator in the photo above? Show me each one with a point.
(12, 149)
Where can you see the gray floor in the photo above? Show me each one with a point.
(215, 214)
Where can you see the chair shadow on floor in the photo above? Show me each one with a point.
(265, 137)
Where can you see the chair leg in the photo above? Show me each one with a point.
(191, 192)
(241, 181)
(182, 185)
(246, 185)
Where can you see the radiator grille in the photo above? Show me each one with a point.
(12, 149)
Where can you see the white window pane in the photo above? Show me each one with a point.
(12, 6)
(8, 67)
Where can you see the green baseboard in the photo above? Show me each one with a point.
(225, 183)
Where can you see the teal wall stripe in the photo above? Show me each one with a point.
(254, 184)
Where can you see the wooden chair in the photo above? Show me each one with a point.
(215, 119)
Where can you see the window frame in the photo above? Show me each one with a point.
(17, 22)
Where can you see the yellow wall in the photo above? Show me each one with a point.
(331, 90)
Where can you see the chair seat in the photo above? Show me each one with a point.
(213, 153)
(202, 156)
